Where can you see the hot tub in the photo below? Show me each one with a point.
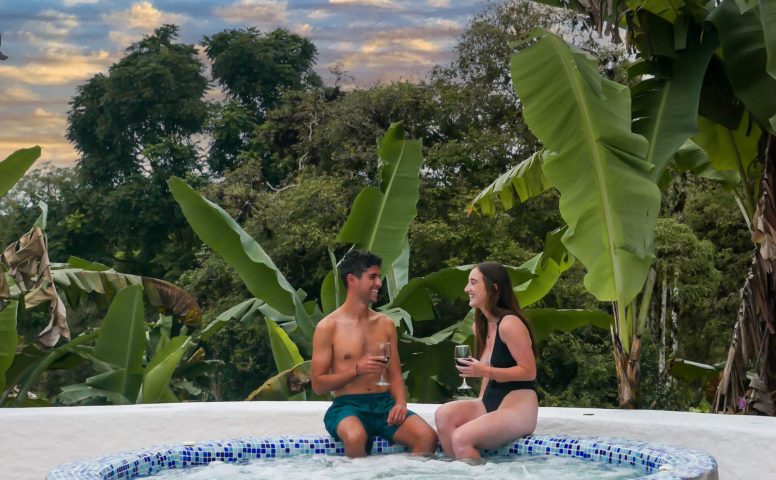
(636, 459)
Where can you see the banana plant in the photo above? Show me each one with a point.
(696, 58)
(135, 361)
(377, 214)
(134, 364)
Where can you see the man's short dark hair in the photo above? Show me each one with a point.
(357, 262)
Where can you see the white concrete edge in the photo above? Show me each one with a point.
(35, 440)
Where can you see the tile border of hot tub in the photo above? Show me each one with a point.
(656, 461)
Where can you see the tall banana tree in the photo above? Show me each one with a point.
(695, 58)
(379, 220)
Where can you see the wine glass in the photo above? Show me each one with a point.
(384, 349)
(462, 351)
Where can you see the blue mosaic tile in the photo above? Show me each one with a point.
(654, 461)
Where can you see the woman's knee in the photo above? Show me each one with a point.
(442, 418)
(459, 439)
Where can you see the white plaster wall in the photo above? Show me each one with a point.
(35, 440)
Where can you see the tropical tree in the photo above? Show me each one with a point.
(256, 70)
(134, 127)
(695, 59)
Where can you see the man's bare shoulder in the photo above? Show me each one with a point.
(382, 319)
(327, 323)
(330, 321)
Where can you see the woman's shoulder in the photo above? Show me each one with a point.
(512, 323)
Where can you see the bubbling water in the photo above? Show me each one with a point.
(405, 467)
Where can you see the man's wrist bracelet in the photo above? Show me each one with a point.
(357, 374)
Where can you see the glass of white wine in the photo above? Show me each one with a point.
(383, 349)
(462, 351)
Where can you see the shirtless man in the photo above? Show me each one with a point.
(345, 363)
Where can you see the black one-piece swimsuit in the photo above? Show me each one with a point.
(496, 391)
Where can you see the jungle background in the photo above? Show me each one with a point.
(285, 154)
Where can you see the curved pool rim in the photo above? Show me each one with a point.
(654, 461)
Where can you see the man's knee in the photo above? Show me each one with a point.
(353, 435)
(428, 440)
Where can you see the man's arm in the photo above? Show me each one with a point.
(322, 380)
(398, 391)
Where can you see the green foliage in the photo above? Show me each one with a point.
(575, 369)
(254, 68)
(152, 97)
(133, 128)
(746, 58)
(257, 72)
(585, 119)
(121, 342)
(8, 338)
(380, 218)
(664, 107)
(15, 166)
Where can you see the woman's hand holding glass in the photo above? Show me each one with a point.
(471, 367)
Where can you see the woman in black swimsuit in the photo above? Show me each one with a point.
(507, 406)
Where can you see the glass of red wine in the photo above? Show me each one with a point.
(383, 349)
(462, 351)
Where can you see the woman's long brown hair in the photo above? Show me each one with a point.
(501, 301)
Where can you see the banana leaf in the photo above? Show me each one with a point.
(430, 365)
(525, 180)
(380, 218)
(691, 158)
(546, 269)
(284, 351)
(15, 166)
(399, 316)
(159, 371)
(332, 291)
(289, 384)
(256, 269)
(33, 361)
(448, 283)
(691, 372)
(77, 262)
(77, 282)
(746, 57)
(728, 149)
(544, 321)
(8, 338)
(768, 21)
(599, 166)
(665, 109)
(398, 273)
(667, 9)
(122, 342)
(242, 312)
(78, 394)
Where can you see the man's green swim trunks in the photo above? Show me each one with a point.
(371, 408)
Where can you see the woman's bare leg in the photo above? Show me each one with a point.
(514, 418)
(452, 415)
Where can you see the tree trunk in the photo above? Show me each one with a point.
(663, 307)
(753, 346)
(628, 367)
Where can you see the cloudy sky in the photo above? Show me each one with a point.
(55, 45)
